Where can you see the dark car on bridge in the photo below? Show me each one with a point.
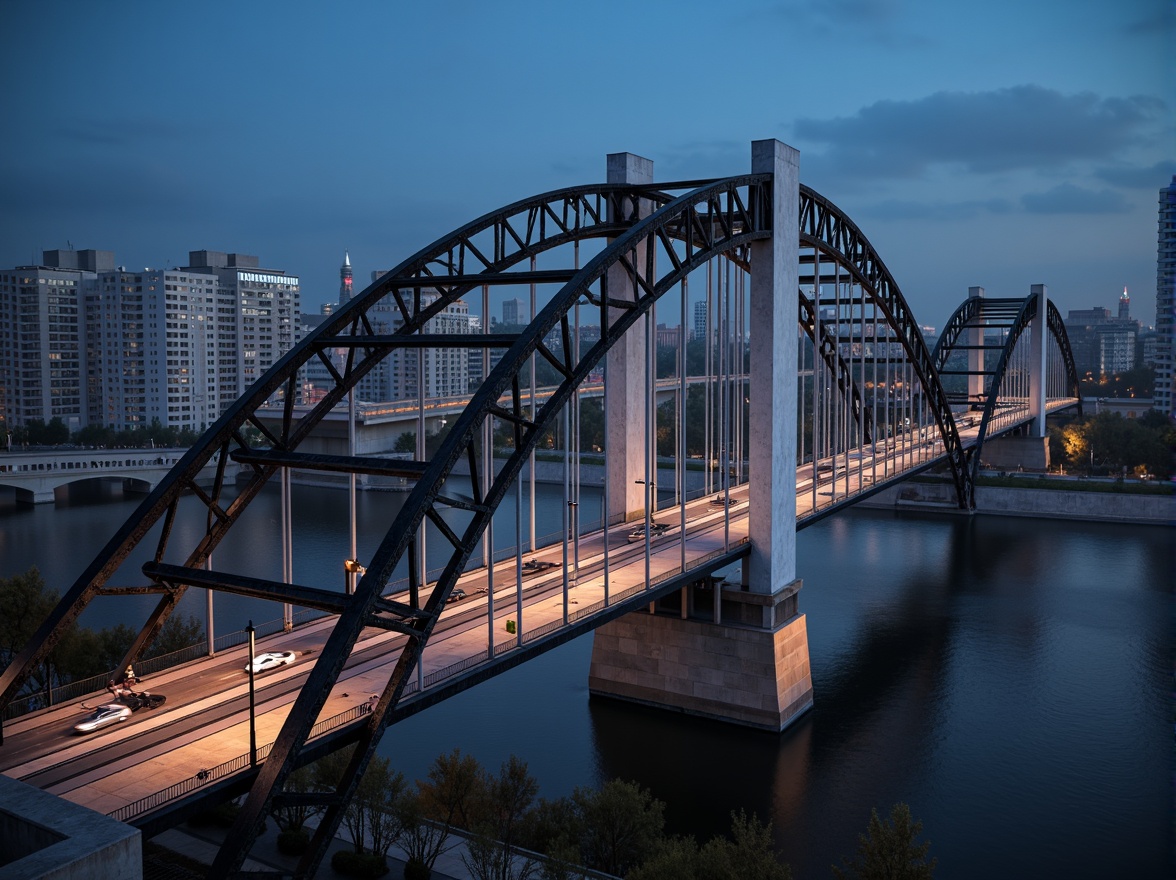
(656, 530)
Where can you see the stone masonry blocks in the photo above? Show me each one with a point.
(755, 677)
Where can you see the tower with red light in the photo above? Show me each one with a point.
(345, 280)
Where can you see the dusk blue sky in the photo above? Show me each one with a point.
(999, 144)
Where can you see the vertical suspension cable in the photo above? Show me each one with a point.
(606, 511)
(487, 467)
(680, 421)
(351, 486)
(535, 407)
(725, 398)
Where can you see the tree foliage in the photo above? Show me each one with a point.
(890, 850)
(1108, 443)
(748, 854)
(498, 812)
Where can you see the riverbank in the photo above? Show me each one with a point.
(1059, 498)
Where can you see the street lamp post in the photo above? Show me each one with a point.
(252, 700)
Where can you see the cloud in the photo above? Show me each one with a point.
(1133, 177)
(1067, 198)
(1024, 127)
(119, 132)
(898, 209)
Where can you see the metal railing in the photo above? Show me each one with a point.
(228, 768)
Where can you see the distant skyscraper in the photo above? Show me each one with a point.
(1124, 306)
(700, 319)
(345, 280)
(1166, 298)
(512, 312)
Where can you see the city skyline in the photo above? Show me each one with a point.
(969, 151)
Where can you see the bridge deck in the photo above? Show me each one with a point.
(204, 724)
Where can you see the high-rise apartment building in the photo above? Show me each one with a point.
(152, 349)
(42, 356)
(93, 344)
(700, 320)
(1102, 345)
(513, 312)
(1166, 299)
(257, 318)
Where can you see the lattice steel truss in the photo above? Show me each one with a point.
(999, 324)
(674, 234)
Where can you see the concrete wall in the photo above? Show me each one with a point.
(1043, 503)
(46, 837)
(751, 669)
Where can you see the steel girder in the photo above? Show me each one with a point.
(718, 218)
(685, 234)
(827, 230)
(517, 231)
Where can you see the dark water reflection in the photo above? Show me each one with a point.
(1010, 679)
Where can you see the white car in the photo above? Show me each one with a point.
(103, 715)
(270, 660)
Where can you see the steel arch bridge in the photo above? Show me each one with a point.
(983, 344)
(871, 381)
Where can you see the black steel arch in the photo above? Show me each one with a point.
(1022, 313)
(716, 219)
(707, 222)
(518, 231)
(828, 230)
(1028, 312)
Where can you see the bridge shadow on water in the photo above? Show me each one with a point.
(936, 645)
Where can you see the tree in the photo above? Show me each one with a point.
(178, 632)
(498, 814)
(443, 800)
(622, 823)
(676, 858)
(406, 442)
(293, 816)
(373, 816)
(25, 603)
(889, 851)
(748, 855)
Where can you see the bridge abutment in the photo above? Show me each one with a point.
(750, 668)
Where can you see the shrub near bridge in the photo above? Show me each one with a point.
(355, 864)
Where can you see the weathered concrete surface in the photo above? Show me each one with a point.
(758, 676)
(1014, 453)
(1043, 503)
(44, 836)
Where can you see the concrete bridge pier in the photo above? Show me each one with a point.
(738, 652)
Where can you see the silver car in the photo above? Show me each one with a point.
(102, 716)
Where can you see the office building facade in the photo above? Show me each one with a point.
(1166, 299)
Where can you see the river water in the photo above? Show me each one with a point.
(1011, 679)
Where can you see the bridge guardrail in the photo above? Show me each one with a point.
(227, 768)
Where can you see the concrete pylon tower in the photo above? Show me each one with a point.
(345, 279)
(731, 649)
